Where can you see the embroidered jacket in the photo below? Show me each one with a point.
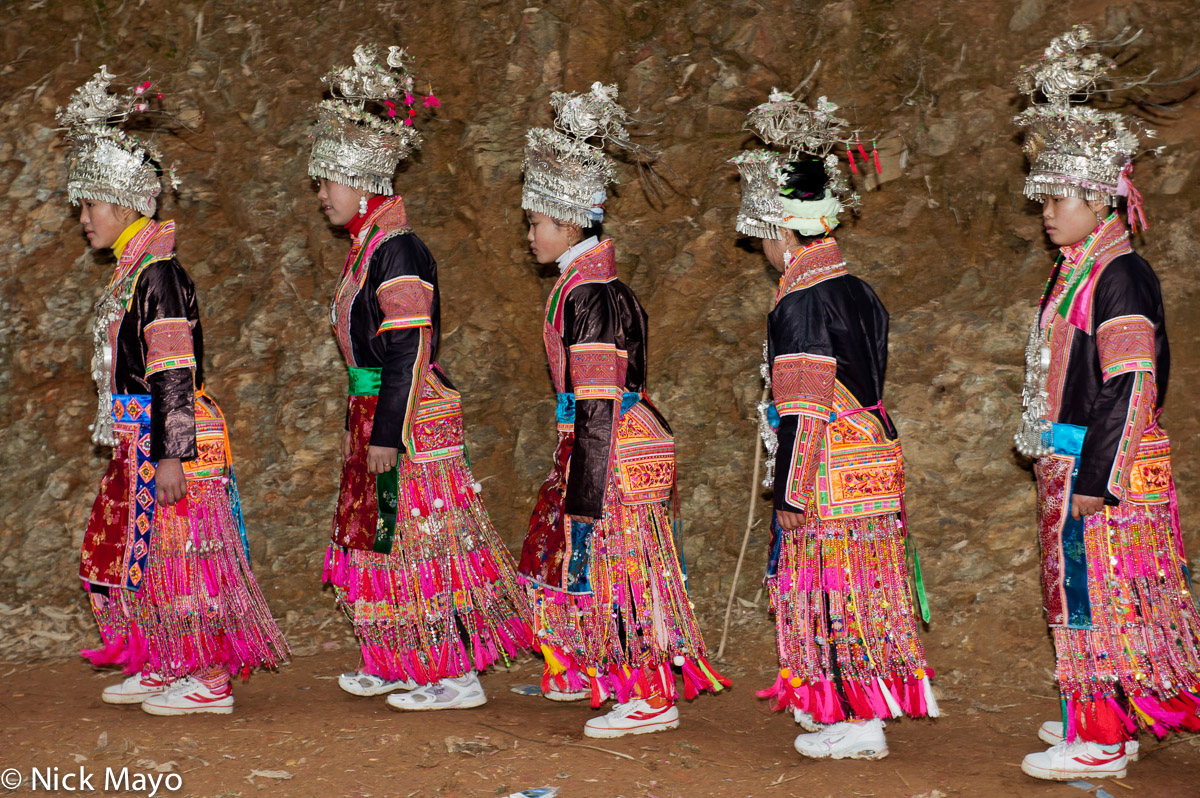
(827, 346)
(157, 345)
(386, 315)
(595, 336)
(1102, 316)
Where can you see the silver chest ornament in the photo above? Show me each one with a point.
(770, 437)
(1033, 435)
(108, 313)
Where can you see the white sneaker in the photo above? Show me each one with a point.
(1051, 733)
(1077, 760)
(190, 696)
(845, 740)
(560, 690)
(632, 717)
(368, 684)
(807, 721)
(134, 690)
(462, 692)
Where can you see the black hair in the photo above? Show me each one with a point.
(804, 180)
(594, 229)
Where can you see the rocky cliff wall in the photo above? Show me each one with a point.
(944, 236)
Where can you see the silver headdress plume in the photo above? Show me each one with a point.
(784, 121)
(107, 164)
(1076, 150)
(361, 147)
(566, 176)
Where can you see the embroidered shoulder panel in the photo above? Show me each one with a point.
(168, 345)
(597, 371)
(1125, 343)
(406, 302)
(802, 384)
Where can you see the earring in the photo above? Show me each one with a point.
(362, 205)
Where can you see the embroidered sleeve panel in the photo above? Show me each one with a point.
(1137, 419)
(803, 385)
(168, 345)
(1125, 343)
(806, 456)
(406, 301)
(597, 371)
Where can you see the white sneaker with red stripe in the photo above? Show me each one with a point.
(134, 690)
(845, 740)
(189, 696)
(1077, 760)
(1051, 733)
(632, 717)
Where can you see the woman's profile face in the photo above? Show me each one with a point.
(339, 202)
(549, 238)
(1069, 220)
(103, 222)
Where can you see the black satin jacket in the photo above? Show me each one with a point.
(393, 351)
(1126, 287)
(163, 291)
(600, 313)
(841, 318)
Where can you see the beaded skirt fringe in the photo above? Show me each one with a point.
(1139, 664)
(844, 622)
(622, 639)
(199, 606)
(445, 600)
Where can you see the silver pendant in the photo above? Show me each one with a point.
(1032, 438)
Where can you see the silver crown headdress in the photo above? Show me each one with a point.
(785, 121)
(565, 176)
(1075, 150)
(361, 147)
(107, 164)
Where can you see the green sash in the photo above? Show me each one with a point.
(366, 382)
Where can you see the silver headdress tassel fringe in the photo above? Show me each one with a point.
(359, 146)
(566, 177)
(1076, 150)
(784, 121)
(106, 164)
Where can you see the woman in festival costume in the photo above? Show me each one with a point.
(164, 558)
(415, 561)
(1114, 575)
(611, 604)
(849, 653)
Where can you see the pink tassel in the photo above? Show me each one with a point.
(1072, 723)
(114, 652)
(691, 688)
(774, 691)
(1134, 203)
(875, 155)
(1153, 708)
(210, 578)
(621, 686)
(878, 705)
(481, 661)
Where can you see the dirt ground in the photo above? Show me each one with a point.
(296, 734)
